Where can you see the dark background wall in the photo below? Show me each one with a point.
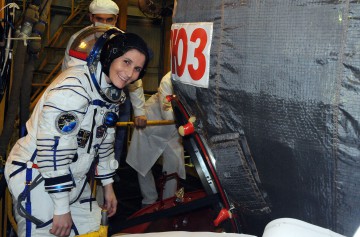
(286, 73)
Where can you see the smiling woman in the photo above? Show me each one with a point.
(71, 134)
(124, 59)
(126, 68)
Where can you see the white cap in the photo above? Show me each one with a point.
(103, 7)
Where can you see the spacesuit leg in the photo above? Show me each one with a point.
(41, 205)
(148, 188)
(86, 220)
(39, 200)
(42, 208)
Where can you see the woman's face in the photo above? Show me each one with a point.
(126, 68)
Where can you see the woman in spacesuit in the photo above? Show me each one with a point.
(71, 134)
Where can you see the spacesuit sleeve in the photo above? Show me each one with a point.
(136, 93)
(165, 89)
(66, 59)
(107, 165)
(63, 110)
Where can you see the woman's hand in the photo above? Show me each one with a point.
(62, 225)
(110, 200)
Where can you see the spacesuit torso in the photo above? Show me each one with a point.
(66, 132)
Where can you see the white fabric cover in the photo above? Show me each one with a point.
(285, 227)
(183, 234)
(148, 144)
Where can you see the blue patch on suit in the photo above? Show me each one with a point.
(110, 119)
(66, 122)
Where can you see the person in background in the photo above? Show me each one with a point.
(106, 12)
(101, 12)
(71, 135)
(148, 144)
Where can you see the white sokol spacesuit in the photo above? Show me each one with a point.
(69, 129)
(148, 144)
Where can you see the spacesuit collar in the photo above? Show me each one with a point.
(101, 77)
(106, 90)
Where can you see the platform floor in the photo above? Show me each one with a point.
(129, 199)
(128, 193)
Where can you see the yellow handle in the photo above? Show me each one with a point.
(102, 232)
(148, 123)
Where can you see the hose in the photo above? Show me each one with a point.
(14, 97)
(22, 197)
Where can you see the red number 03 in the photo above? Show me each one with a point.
(178, 35)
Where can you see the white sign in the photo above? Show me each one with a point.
(190, 52)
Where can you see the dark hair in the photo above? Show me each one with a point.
(118, 46)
